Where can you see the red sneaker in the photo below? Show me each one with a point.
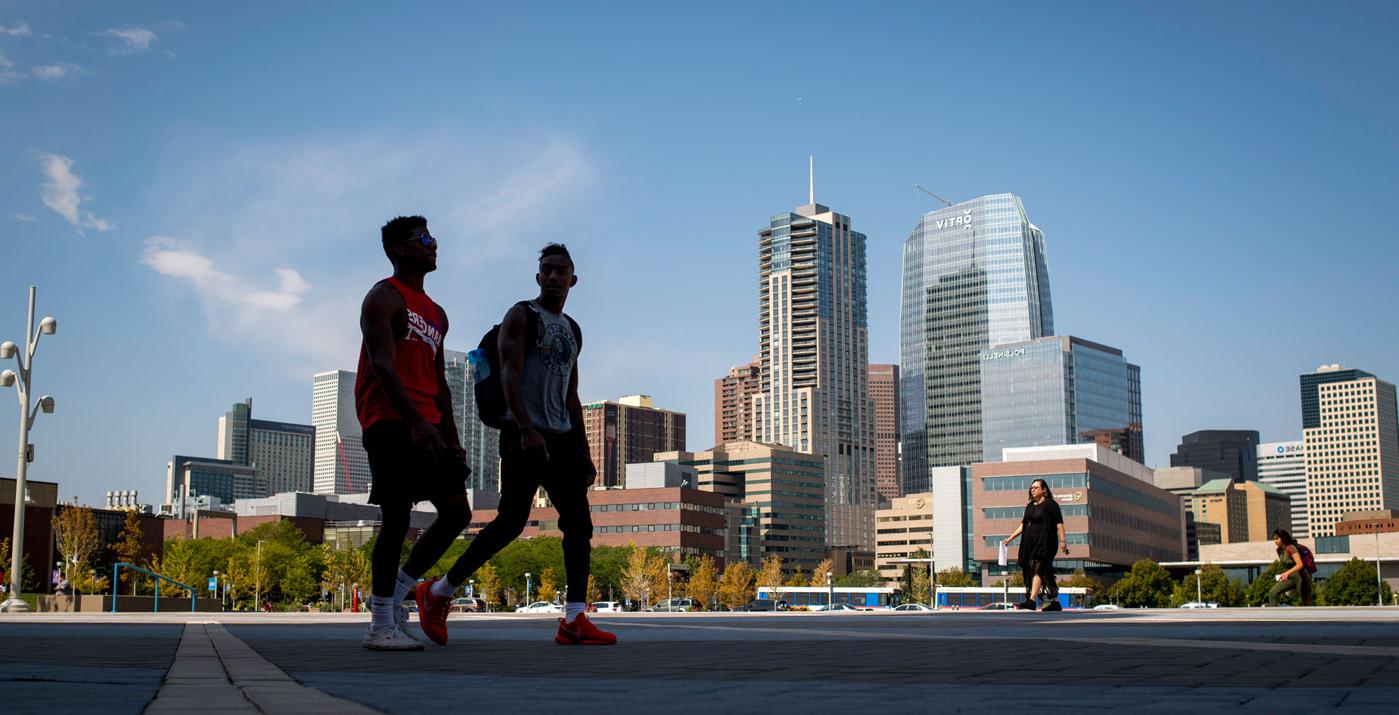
(432, 612)
(582, 632)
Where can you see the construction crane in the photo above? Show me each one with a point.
(939, 198)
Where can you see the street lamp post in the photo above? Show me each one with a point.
(1199, 591)
(24, 386)
(471, 588)
(1379, 580)
(528, 584)
(257, 588)
(669, 599)
(830, 591)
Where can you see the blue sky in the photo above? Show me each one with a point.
(197, 190)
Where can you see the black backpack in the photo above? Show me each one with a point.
(485, 366)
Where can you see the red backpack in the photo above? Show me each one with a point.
(1308, 561)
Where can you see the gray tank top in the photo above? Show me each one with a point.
(548, 367)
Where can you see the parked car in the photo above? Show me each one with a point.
(834, 607)
(1107, 607)
(1198, 604)
(764, 604)
(681, 605)
(912, 607)
(540, 607)
(607, 606)
(469, 605)
(999, 606)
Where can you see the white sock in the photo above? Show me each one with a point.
(444, 588)
(381, 612)
(403, 586)
(572, 610)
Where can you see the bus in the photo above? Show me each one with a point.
(981, 596)
(807, 596)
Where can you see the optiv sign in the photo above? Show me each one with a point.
(965, 220)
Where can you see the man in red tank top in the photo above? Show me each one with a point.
(405, 409)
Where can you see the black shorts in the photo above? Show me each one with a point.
(402, 472)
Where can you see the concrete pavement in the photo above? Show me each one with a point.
(1275, 660)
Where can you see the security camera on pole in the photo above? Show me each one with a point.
(22, 383)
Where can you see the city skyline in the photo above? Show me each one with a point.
(198, 249)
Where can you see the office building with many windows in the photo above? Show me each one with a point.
(813, 394)
(1283, 465)
(974, 276)
(1352, 454)
(282, 452)
(733, 402)
(884, 398)
(341, 467)
(482, 443)
(901, 531)
(1114, 515)
(783, 491)
(1230, 452)
(629, 431)
(1055, 390)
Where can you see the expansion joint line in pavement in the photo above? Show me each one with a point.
(214, 671)
(1311, 648)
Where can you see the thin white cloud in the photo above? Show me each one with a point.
(309, 213)
(8, 72)
(129, 40)
(19, 29)
(61, 192)
(55, 72)
(27, 218)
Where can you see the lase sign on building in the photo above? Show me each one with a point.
(963, 220)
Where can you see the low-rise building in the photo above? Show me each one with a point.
(900, 531)
(1243, 511)
(1113, 513)
(1378, 521)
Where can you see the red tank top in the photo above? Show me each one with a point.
(415, 361)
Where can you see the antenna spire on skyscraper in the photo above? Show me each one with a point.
(811, 179)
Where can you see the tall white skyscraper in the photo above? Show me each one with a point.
(974, 276)
(342, 467)
(482, 443)
(1283, 465)
(814, 340)
(1352, 454)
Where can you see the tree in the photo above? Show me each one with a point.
(1214, 587)
(922, 591)
(736, 584)
(344, 569)
(27, 579)
(643, 577)
(1079, 579)
(549, 584)
(955, 577)
(607, 563)
(866, 578)
(1354, 584)
(75, 535)
(799, 579)
(132, 549)
(818, 575)
(771, 576)
(1146, 585)
(593, 593)
(488, 583)
(704, 582)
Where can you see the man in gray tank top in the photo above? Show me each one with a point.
(542, 444)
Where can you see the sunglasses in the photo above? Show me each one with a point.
(424, 238)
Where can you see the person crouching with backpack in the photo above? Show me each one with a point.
(1295, 576)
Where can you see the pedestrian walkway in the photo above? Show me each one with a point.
(1155, 661)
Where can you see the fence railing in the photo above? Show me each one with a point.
(116, 585)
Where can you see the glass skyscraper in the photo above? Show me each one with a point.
(1052, 390)
(482, 443)
(974, 276)
(814, 378)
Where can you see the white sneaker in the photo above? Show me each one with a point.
(389, 638)
(400, 617)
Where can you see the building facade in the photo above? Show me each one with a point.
(629, 431)
(1352, 454)
(783, 488)
(1230, 452)
(974, 275)
(733, 399)
(901, 530)
(282, 452)
(1054, 390)
(814, 350)
(1283, 465)
(482, 443)
(187, 478)
(884, 399)
(342, 466)
(1183, 482)
(1113, 513)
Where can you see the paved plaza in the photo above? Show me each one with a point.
(1278, 660)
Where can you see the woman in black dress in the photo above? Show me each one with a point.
(1040, 530)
